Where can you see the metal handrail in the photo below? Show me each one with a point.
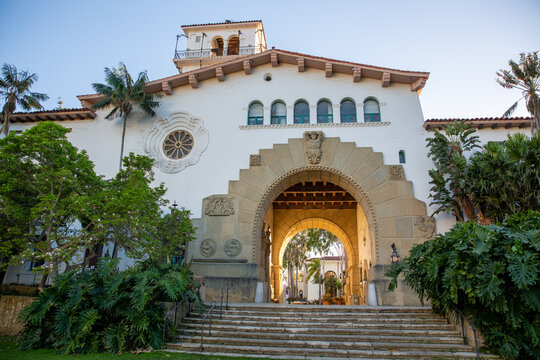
(177, 305)
(215, 52)
(471, 322)
(209, 312)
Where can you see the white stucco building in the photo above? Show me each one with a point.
(260, 143)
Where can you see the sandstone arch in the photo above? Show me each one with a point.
(382, 192)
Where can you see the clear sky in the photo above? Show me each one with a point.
(461, 43)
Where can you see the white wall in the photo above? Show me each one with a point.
(223, 108)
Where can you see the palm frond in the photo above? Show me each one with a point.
(510, 110)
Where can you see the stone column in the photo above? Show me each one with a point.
(313, 114)
(290, 114)
(275, 279)
(266, 114)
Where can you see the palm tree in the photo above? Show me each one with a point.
(314, 270)
(15, 90)
(524, 76)
(121, 92)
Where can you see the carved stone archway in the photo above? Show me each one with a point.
(392, 213)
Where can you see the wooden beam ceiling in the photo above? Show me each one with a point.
(309, 195)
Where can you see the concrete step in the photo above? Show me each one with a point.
(359, 344)
(324, 337)
(326, 330)
(311, 353)
(327, 318)
(285, 308)
(310, 314)
(334, 325)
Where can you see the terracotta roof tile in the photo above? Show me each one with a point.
(223, 23)
(53, 115)
(479, 123)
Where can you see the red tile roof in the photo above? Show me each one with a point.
(227, 22)
(53, 115)
(479, 123)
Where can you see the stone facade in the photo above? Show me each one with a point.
(10, 307)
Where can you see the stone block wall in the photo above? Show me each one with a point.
(10, 307)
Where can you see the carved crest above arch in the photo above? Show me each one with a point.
(312, 146)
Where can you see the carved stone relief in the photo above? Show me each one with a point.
(208, 247)
(233, 247)
(254, 160)
(396, 173)
(312, 146)
(219, 206)
(176, 142)
(426, 226)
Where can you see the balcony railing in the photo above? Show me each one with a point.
(216, 52)
(325, 119)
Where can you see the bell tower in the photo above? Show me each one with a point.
(209, 44)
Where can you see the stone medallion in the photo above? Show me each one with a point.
(208, 247)
(233, 247)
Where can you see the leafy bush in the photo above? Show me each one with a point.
(106, 309)
(491, 273)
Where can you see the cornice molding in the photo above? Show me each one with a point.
(325, 125)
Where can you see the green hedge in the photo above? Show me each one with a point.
(491, 273)
(106, 309)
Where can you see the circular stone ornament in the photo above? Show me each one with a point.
(233, 247)
(176, 142)
(208, 247)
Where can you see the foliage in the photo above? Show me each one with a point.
(314, 271)
(485, 185)
(15, 90)
(50, 189)
(524, 76)
(448, 149)
(106, 309)
(491, 273)
(505, 178)
(122, 93)
(46, 185)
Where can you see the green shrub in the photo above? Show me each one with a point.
(491, 273)
(106, 309)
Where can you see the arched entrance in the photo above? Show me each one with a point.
(347, 236)
(239, 230)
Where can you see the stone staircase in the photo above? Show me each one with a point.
(317, 332)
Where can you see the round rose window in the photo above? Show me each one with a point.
(178, 144)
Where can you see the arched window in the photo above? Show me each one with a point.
(301, 112)
(255, 114)
(324, 112)
(402, 156)
(347, 111)
(233, 45)
(372, 113)
(278, 113)
(217, 46)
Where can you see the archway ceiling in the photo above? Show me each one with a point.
(315, 195)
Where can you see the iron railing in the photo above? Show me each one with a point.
(208, 314)
(215, 52)
(173, 310)
(463, 333)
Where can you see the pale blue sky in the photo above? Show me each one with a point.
(462, 43)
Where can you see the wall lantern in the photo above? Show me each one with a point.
(395, 257)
